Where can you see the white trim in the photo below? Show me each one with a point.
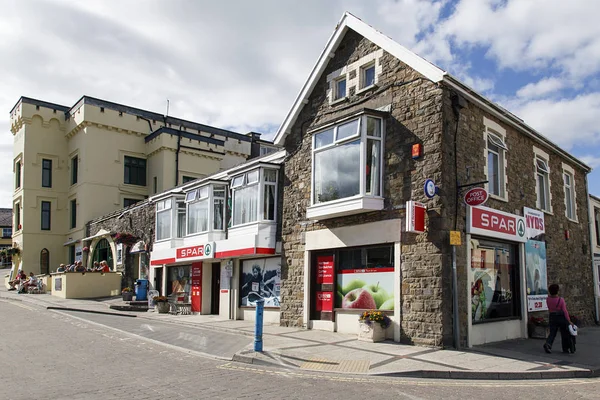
(349, 21)
(543, 156)
(569, 170)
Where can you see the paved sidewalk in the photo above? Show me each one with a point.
(313, 350)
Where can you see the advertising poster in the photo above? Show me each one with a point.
(537, 283)
(178, 280)
(324, 270)
(324, 302)
(365, 289)
(261, 279)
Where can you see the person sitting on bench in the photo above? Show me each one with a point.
(20, 277)
(32, 281)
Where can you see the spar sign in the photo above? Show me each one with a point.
(476, 197)
(497, 224)
(196, 252)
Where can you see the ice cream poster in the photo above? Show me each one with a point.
(365, 289)
(537, 281)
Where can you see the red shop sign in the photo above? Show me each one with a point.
(324, 301)
(187, 252)
(324, 270)
(476, 197)
(494, 223)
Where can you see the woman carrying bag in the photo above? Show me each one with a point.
(559, 319)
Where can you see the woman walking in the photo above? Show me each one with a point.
(559, 319)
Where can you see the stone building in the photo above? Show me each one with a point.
(375, 133)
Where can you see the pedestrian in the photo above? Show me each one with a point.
(559, 319)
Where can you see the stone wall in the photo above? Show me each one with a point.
(137, 220)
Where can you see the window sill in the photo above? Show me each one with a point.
(573, 220)
(344, 207)
(499, 198)
(366, 89)
(338, 101)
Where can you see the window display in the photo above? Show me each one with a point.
(261, 279)
(178, 281)
(495, 281)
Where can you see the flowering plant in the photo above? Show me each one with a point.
(125, 238)
(85, 249)
(126, 290)
(158, 299)
(374, 316)
(538, 321)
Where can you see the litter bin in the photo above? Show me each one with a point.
(141, 289)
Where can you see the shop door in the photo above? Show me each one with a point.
(323, 286)
(158, 278)
(215, 289)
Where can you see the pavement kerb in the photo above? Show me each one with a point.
(245, 358)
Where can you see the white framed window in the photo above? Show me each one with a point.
(495, 153)
(569, 188)
(163, 219)
(347, 160)
(339, 88)
(367, 75)
(254, 196)
(541, 162)
(219, 197)
(197, 212)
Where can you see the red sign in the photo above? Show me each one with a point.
(415, 217)
(494, 223)
(476, 197)
(187, 252)
(324, 301)
(196, 279)
(416, 150)
(325, 270)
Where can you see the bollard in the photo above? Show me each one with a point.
(258, 327)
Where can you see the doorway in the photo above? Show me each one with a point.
(158, 278)
(44, 262)
(215, 288)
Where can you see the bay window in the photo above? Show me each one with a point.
(163, 219)
(254, 196)
(199, 204)
(347, 160)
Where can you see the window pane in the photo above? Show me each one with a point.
(203, 192)
(269, 206)
(493, 176)
(323, 138)
(369, 76)
(74, 169)
(347, 130)
(219, 205)
(135, 171)
(191, 196)
(252, 176)
(270, 175)
(219, 191)
(198, 217)
(373, 127)
(163, 225)
(373, 167)
(237, 181)
(245, 205)
(73, 213)
(45, 215)
(542, 191)
(340, 90)
(337, 172)
(181, 219)
(46, 173)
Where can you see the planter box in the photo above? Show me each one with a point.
(370, 333)
(163, 307)
(538, 332)
(127, 296)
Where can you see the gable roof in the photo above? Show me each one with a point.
(5, 217)
(419, 64)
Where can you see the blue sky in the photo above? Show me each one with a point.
(239, 65)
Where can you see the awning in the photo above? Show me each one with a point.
(71, 241)
(100, 233)
(139, 247)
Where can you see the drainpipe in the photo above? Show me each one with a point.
(591, 227)
(177, 158)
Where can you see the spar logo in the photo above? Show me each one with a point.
(207, 250)
(188, 252)
(497, 223)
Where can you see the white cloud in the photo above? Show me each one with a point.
(541, 88)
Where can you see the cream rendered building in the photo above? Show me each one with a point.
(595, 246)
(74, 164)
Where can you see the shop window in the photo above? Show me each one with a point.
(347, 160)
(178, 281)
(261, 279)
(46, 173)
(251, 189)
(569, 187)
(163, 219)
(495, 293)
(135, 171)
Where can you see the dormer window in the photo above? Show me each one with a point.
(252, 189)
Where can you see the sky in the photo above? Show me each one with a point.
(239, 65)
